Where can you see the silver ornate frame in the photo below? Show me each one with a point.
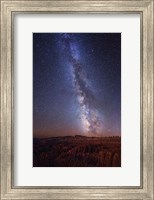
(8, 10)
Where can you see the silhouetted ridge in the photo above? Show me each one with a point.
(80, 136)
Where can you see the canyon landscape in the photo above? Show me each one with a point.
(77, 151)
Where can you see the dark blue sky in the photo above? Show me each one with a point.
(76, 84)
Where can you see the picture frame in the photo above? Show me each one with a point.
(8, 10)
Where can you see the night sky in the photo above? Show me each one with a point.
(76, 84)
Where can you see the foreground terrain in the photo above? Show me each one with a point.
(77, 151)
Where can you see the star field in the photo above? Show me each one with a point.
(76, 84)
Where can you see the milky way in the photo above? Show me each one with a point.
(90, 120)
(76, 84)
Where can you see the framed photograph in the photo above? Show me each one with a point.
(69, 127)
(77, 99)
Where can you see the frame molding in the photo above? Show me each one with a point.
(8, 10)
